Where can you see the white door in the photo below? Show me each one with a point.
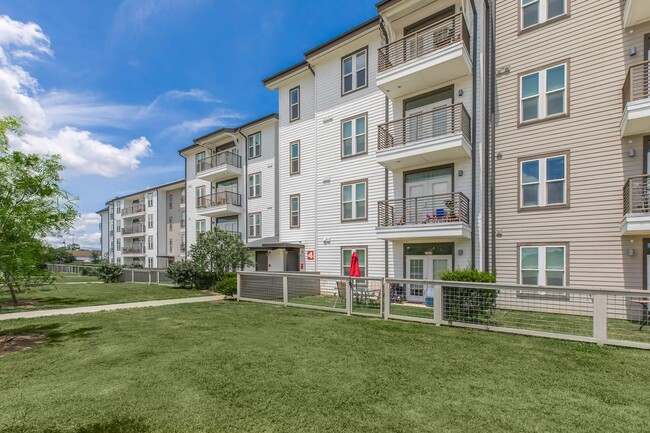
(427, 121)
(229, 226)
(424, 268)
(426, 198)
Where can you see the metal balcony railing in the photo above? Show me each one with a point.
(219, 159)
(218, 198)
(133, 209)
(423, 42)
(133, 250)
(433, 209)
(439, 122)
(636, 195)
(637, 83)
(135, 229)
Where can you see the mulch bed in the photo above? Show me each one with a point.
(20, 342)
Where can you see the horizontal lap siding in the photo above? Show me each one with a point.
(597, 47)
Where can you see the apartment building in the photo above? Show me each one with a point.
(146, 228)
(571, 148)
(103, 233)
(231, 180)
(382, 138)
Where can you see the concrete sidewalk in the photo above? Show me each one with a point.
(109, 307)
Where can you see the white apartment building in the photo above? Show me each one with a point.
(231, 183)
(382, 139)
(146, 228)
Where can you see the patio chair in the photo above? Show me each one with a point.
(340, 292)
(439, 216)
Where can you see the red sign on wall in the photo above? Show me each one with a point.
(311, 255)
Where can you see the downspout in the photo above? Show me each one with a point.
(493, 85)
(486, 134)
(386, 107)
(187, 198)
(245, 195)
(474, 90)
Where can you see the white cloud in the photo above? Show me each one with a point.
(85, 233)
(219, 119)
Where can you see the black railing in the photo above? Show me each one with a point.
(219, 198)
(138, 228)
(219, 159)
(636, 195)
(433, 209)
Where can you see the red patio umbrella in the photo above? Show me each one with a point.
(355, 270)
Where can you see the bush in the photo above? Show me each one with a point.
(467, 304)
(228, 286)
(109, 272)
(186, 274)
(87, 270)
(134, 266)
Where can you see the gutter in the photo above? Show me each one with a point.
(474, 103)
(245, 195)
(493, 86)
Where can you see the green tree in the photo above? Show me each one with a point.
(219, 251)
(95, 257)
(60, 255)
(32, 206)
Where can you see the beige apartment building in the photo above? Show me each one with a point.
(571, 142)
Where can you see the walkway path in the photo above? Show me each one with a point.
(109, 307)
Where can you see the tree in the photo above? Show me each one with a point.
(32, 206)
(60, 255)
(95, 258)
(219, 251)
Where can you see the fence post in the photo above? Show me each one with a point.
(285, 291)
(600, 318)
(348, 298)
(437, 304)
(132, 276)
(386, 297)
(149, 274)
(238, 286)
(158, 276)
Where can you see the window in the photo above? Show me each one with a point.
(353, 136)
(354, 72)
(294, 166)
(535, 12)
(254, 145)
(346, 257)
(150, 199)
(118, 207)
(182, 247)
(255, 185)
(255, 225)
(150, 242)
(150, 262)
(171, 223)
(543, 265)
(543, 182)
(183, 219)
(294, 201)
(119, 244)
(118, 261)
(118, 225)
(182, 196)
(198, 159)
(200, 191)
(353, 201)
(150, 221)
(543, 94)
(171, 201)
(171, 246)
(200, 226)
(294, 104)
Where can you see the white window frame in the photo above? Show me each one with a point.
(255, 185)
(150, 221)
(364, 268)
(255, 145)
(354, 137)
(292, 158)
(118, 226)
(150, 242)
(354, 72)
(119, 245)
(541, 264)
(542, 15)
(294, 104)
(542, 94)
(542, 190)
(354, 200)
(294, 213)
(255, 229)
(118, 207)
(200, 226)
(171, 201)
(150, 199)
(171, 246)
(150, 262)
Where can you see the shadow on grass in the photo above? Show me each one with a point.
(54, 332)
(116, 425)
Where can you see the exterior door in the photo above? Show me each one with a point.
(427, 121)
(228, 225)
(261, 261)
(427, 267)
(430, 194)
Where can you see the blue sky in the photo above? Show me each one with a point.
(118, 87)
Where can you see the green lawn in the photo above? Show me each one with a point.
(79, 295)
(74, 278)
(244, 367)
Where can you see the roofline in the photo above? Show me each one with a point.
(385, 4)
(103, 210)
(343, 36)
(285, 72)
(164, 185)
(229, 130)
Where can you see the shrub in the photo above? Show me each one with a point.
(468, 304)
(87, 270)
(134, 266)
(228, 286)
(184, 274)
(109, 272)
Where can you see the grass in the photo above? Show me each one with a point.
(74, 278)
(83, 294)
(243, 367)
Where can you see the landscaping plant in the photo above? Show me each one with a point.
(109, 272)
(468, 304)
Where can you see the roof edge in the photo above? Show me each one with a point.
(343, 36)
(285, 72)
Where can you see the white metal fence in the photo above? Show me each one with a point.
(67, 268)
(145, 276)
(615, 317)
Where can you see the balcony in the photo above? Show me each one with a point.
(134, 230)
(636, 206)
(220, 166)
(436, 217)
(219, 204)
(636, 101)
(133, 210)
(133, 251)
(434, 137)
(636, 12)
(425, 59)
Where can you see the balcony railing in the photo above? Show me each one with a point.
(637, 83)
(219, 198)
(138, 228)
(434, 209)
(219, 159)
(133, 250)
(133, 209)
(451, 119)
(426, 41)
(636, 195)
